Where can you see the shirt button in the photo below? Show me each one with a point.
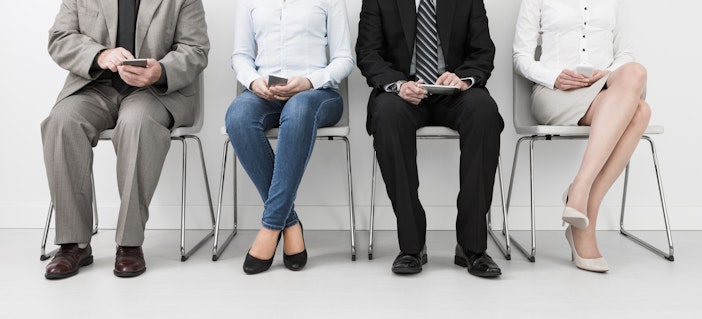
(585, 8)
(583, 50)
(583, 36)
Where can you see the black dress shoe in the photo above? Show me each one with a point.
(253, 265)
(129, 262)
(479, 264)
(407, 264)
(297, 261)
(68, 260)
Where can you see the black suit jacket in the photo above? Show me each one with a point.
(386, 34)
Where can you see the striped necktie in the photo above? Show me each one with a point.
(427, 63)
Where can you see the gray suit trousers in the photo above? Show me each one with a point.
(141, 142)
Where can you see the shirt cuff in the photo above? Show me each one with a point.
(95, 66)
(163, 80)
(388, 87)
(471, 79)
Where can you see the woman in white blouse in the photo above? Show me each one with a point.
(288, 39)
(586, 75)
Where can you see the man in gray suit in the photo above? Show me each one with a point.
(92, 39)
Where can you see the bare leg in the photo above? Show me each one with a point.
(618, 117)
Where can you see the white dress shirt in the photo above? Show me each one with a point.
(573, 32)
(290, 38)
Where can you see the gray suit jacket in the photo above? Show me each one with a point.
(174, 32)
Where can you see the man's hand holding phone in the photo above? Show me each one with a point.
(140, 76)
(112, 58)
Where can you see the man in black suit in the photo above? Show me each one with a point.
(402, 44)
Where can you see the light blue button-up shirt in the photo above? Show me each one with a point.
(292, 38)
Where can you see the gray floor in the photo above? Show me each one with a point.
(639, 285)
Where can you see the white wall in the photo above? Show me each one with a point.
(667, 45)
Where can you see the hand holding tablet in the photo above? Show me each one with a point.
(439, 89)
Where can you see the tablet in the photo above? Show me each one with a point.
(440, 89)
(135, 62)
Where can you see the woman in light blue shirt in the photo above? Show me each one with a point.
(306, 42)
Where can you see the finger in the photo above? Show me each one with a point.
(417, 90)
(443, 78)
(126, 54)
(150, 63)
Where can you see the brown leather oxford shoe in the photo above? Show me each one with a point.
(129, 262)
(68, 260)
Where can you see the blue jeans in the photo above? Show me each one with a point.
(277, 175)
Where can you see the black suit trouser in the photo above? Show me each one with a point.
(393, 124)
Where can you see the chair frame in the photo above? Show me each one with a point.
(272, 134)
(181, 134)
(445, 133)
(536, 133)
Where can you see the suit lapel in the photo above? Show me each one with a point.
(408, 18)
(109, 11)
(444, 18)
(147, 8)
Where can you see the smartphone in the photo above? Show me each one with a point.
(274, 80)
(586, 70)
(135, 62)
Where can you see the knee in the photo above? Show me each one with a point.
(642, 116)
(391, 114)
(635, 74)
(299, 111)
(483, 114)
(242, 115)
(143, 123)
(133, 119)
(234, 116)
(62, 118)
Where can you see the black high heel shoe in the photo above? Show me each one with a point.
(253, 265)
(297, 261)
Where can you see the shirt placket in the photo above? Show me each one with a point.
(584, 49)
(283, 36)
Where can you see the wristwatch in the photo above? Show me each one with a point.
(395, 87)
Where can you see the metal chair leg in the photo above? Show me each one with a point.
(185, 255)
(506, 249)
(47, 225)
(531, 256)
(372, 207)
(669, 256)
(217, 252)
(352, 213)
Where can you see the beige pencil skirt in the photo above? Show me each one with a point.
(558, 107)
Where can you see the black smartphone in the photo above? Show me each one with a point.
(135, 62)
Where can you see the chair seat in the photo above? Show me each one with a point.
(177, 132)
(571, 130)
(331, 131)
(436, 131)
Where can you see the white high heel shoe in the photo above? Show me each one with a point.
(573, 216)
(589, 264)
